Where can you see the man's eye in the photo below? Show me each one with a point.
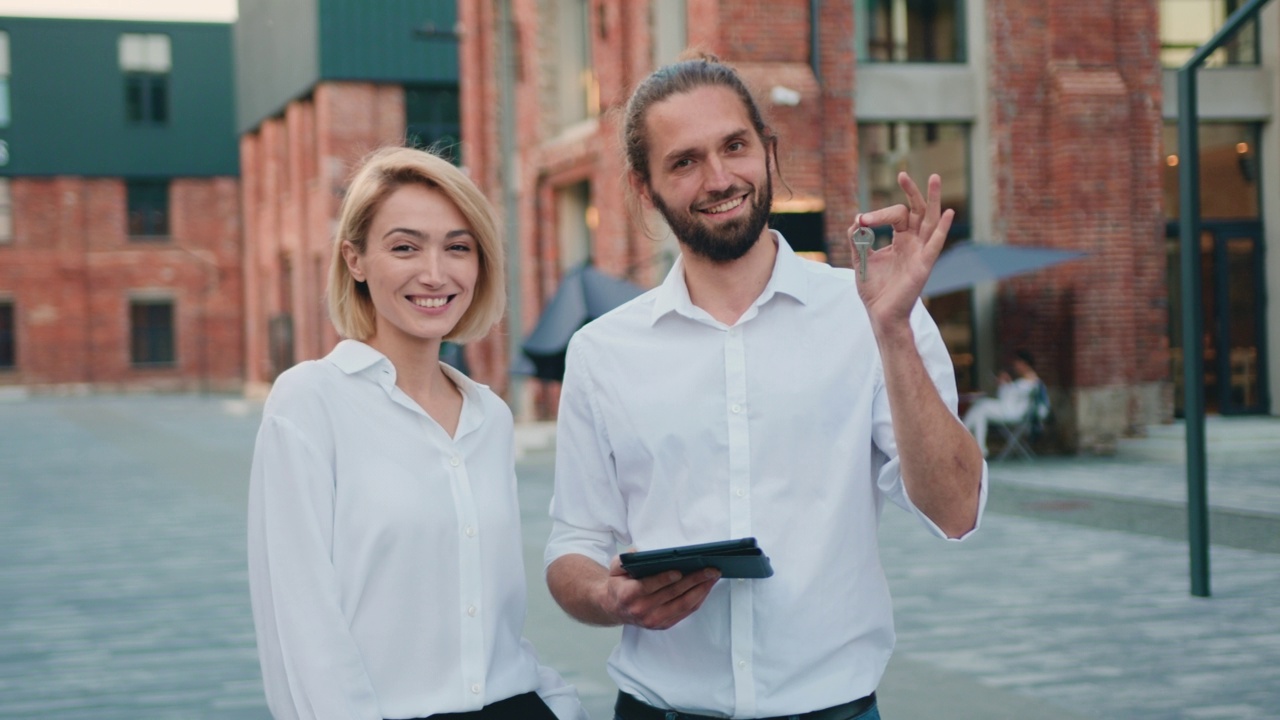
(736, 145)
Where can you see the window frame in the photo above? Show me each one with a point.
(138, 193)
(866, 23)
(158, 347)
(8, 334)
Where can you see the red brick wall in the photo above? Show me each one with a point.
(767, 40)
(295, 171)
(71, 270)
(1075, 91)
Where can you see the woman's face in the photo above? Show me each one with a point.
(421, 263)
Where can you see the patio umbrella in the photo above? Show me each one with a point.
(966, 264)
(584, 294)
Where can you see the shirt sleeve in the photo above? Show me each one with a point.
(588, 511)
(885, 464)
(311, 667)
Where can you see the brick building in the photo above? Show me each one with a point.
(119, 206)
(1050, 123)
(319, 84)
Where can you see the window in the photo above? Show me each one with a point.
(921, 149)
(432, 119)
(148, 204)
(911, 30)
(577, 90)
(151, 332)
(1187, 24)
(145, 62)
(670, 30)
(576, 222)
(8, 333)
(4, 79)
(1228, 171)
(6, 212)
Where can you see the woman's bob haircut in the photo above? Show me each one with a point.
(380, 174)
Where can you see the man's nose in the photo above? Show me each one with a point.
(717, 174)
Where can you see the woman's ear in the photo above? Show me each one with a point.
(352, 258)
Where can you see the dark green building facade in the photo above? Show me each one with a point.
(117, 98)
(284, 48)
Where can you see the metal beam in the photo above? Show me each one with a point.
(1193, 295)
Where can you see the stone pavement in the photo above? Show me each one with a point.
(123, 588)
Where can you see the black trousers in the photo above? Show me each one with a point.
(521, 707)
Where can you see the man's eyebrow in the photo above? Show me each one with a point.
(737, 134)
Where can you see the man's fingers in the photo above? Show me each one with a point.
(896, 215)
(694, 589)
(914, 198)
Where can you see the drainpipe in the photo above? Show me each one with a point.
(510, 199)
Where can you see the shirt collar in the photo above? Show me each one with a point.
(788, 278)
(354, 357)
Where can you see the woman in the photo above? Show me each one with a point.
(385, 562)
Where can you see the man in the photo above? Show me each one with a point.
(750, 395)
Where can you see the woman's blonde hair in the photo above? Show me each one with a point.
(380, 174)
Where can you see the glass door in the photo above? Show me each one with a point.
(1234, 305)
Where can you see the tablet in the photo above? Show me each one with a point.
(740, 558)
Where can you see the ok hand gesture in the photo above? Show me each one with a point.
(895, 275)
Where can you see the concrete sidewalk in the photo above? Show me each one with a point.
(123, 589)
(1043, 616)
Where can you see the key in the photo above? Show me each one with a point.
(862, 239)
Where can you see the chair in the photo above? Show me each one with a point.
(1019, 434)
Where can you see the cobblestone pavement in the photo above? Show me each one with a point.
(123, 587)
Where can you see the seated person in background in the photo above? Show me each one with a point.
(1012, 400)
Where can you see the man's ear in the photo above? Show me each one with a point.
(352, 258)
(640, 188)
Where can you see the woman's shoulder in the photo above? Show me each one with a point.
(301, 389)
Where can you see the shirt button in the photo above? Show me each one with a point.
(736, 408)
(742, 664)
(455, 461)
(471, 611)
(475, 689)
(742, 493)
(470, 531)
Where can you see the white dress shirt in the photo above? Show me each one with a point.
(675, 428)
(385, 557)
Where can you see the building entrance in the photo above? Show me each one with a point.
(1231, 271)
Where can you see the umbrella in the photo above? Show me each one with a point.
(966, 264)
(584, 295)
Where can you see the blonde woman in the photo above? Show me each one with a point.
(385, 561)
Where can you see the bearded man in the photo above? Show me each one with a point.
(752, 394)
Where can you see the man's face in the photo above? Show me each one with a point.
(709, 172)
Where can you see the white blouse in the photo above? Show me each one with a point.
(385, 561)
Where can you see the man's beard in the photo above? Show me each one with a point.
(729, 241)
